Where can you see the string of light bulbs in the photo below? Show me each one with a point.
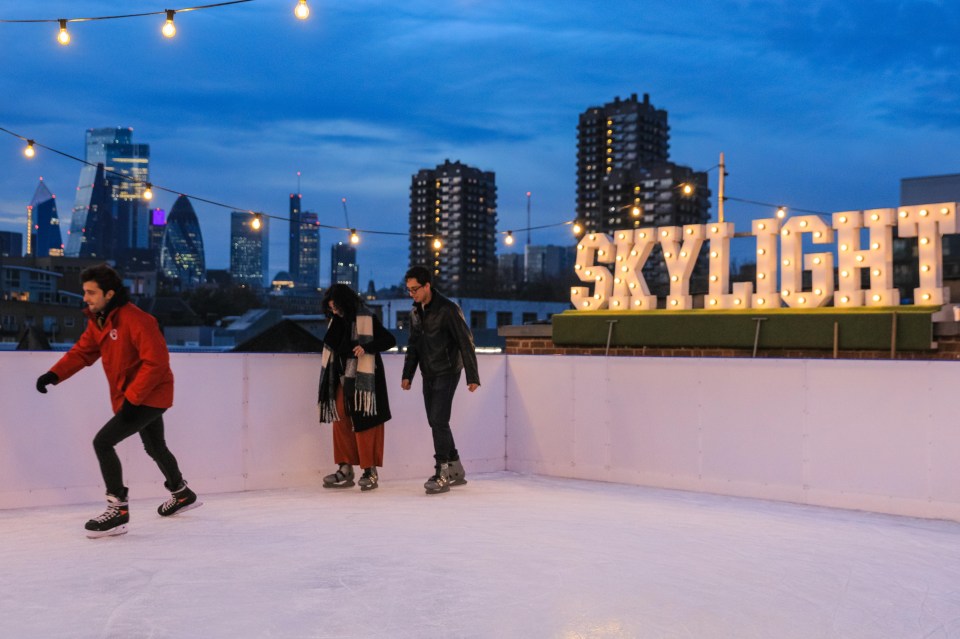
(576, 225)
(169, 29)
(32, 145)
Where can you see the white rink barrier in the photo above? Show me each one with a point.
(882, 436)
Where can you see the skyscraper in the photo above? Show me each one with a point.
(457, 205)
(304, 256)
(181, 253)
(44, 233)
(620, 135)
(127, 170)
(625, 178)
(96, 234)
(296, 200)
(249, 249)
(343, 266)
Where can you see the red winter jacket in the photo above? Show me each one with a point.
(134, 353)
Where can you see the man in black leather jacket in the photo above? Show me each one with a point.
(442, 346)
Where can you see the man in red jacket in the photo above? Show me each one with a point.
(137, 364)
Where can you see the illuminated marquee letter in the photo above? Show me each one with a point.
(630, 290)
(680, 252)
(794, 262)
(717, 296)
(877, 259)
(928, 223)
(592, 248)
(767, 232)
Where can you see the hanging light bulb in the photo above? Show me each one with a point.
(354, 238)
(781, 212)
(29, 151)
(257, 222)
(63, 37)
(577, 228)
(437, 243)
(509, 239)
(302, 11)
(169, 29)
(687, 188)
(148, 192)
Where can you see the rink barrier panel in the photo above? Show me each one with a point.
(873, 435)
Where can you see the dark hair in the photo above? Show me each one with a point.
(108, 280)
(345, 299)
(420, 273)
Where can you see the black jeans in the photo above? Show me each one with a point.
(147, 421)
(438, 400)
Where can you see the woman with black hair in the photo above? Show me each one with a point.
(353, 387)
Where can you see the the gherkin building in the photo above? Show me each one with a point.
(181, 253)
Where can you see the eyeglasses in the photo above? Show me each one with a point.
(413, 289)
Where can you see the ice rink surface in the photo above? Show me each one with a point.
(505, 556)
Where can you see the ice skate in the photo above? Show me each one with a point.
(440, 482)
(458, 477)
(343, 478)
(180, 500)
(370, 480)
(113, 521)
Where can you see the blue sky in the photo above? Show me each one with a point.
(818, 105)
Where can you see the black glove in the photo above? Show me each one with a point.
(45, 380)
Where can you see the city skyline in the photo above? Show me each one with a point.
(816, 106)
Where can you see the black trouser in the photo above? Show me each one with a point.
(438, 399)
(147, 421)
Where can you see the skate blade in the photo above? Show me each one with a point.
(337, 486)
(96, 534)
(195, 504)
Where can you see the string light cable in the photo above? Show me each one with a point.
(154, 187)
(353, 232)
(302, 11)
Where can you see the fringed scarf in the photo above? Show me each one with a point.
(358, 375)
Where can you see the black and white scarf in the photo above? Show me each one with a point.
(358, 375)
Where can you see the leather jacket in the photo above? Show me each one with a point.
(440, 341)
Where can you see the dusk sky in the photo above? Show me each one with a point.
(820, 105)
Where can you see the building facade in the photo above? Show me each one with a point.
(625, 179)
(548, 262)
(11, 244)
(929, 189)
(126, 171)
(43, 223)
(620, 135)
(343, 266)
(453, 226)
(249, 249)
(182, 258)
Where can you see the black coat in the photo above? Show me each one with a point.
(338, 338)
(440, 341)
